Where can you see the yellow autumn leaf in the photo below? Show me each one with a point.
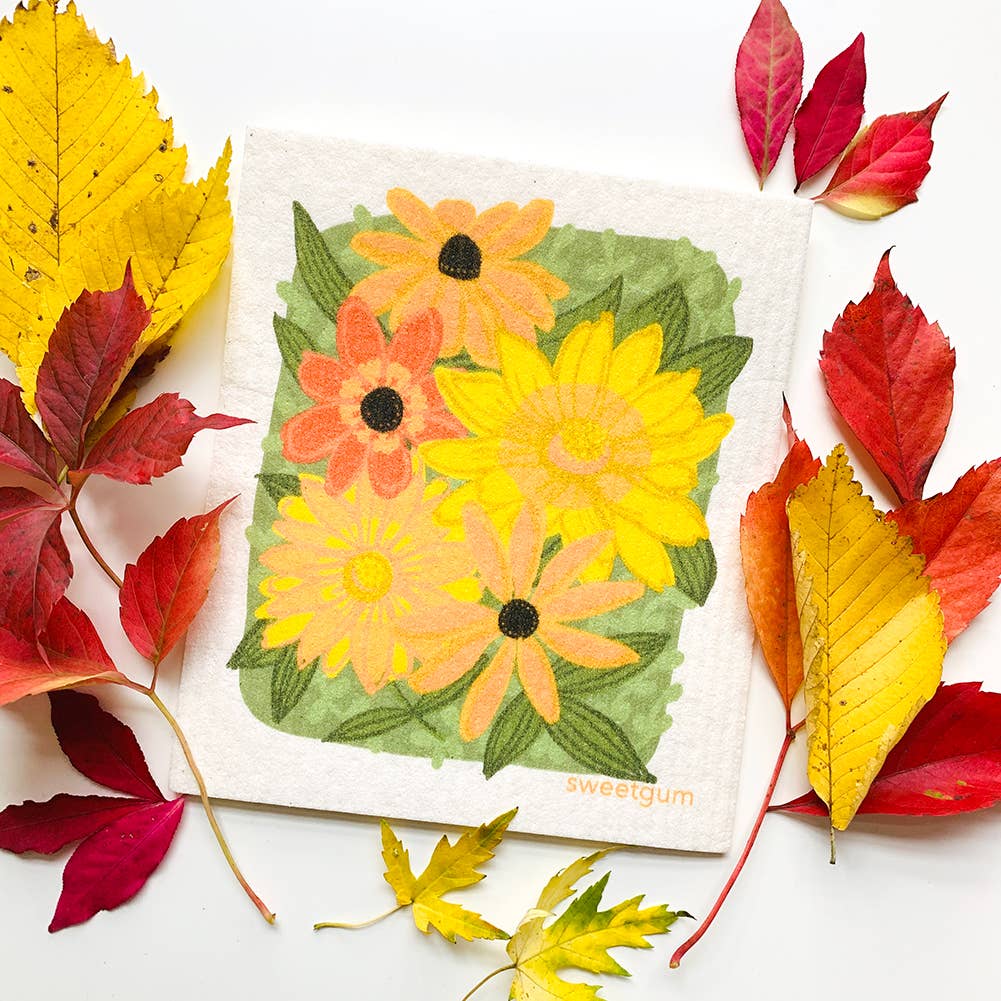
(177, 241)
(873, 636)
(80, 142)
(451, 867)
(579, 939)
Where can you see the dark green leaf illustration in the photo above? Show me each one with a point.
(327, 283)
(288, 684)
(292, 342)
(370, 723)
(694, 569)
(721, 360)
(280, 485)
(249, 653)
(597, 743)
(513, 732)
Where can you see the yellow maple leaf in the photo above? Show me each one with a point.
(873, 636)
(579, 939)
(451, 867)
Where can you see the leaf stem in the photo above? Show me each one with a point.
(359, 924)
(680, 953)
(203, 793)
(86, 539)
(489, 976)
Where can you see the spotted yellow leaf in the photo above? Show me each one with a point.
(580, 938)
(873, 636)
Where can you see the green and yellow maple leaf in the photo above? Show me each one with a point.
(451, 867)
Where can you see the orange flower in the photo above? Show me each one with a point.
(466, 266)
(374, 402)
(531, 622)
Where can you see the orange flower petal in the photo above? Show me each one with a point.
(313, 434)
(486, 693)
(453, 319)
(320, 377)
(372, 643)
(390, 472)
(416, 215)
(457, 215)
(520, 233)
(492, 219)
(481, 537)
(427, 291)
(417, 341)
(568, 564)
(585, 600)
(518, 293)
(536, 676)
(392, 249)
(434, 677)
(479, 329)
(584, 648)
(551, 286)
(383, 289)
(359, 336)
(527, 538)
(345, 464)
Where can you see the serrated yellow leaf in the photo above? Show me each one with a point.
(177, 241)
(873, 636)
(80, 142)
(580, 938)
(451, 867)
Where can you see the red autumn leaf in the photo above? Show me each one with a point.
(889, 373)
(88, 355)
(164, 589)
(883, 168)
(100, 746)
(831, 113)
(22, 445)
(959, 535)
(766, 553)
(68, 653)
(769, 82)
(948, 761)
(113, 865)
(151, 440)
(45, 828)
(35, 567)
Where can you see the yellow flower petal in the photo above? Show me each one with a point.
(461, 458)
(479, 399)
(525, 369)
(636, 360)
(644, 555)
(285, 631)
(585, 356)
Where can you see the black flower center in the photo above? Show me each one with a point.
(460, 258)
(382, 409)
(518, 619)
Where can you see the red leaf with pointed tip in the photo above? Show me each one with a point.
(164, 589)
(35, 567)
(959, 535)
(831, 113)
(151, 440)
(948, 761)
(88, 355)
(22, 445)
(100, 746)
(766, 553)
(68, 653)
(45, 828)
(889, 373)
(769, 82)
(113, 865)
(885, 165)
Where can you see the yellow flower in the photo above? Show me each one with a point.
(599, 438)
(467, 267)
(350, 568)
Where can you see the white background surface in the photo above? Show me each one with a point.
(642, 89)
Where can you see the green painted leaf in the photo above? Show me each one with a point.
(292, 342)
(721, 360)
(694, 569)
(606, 301)
(327, 283)
(288, 684)
(668, 307)
(597, 743)
(578, 681)
(249, 653)
(370, 723)
(513, 732)
(280, 485)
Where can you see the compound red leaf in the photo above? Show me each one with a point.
(831, 113)
(883, 168)
(100, 746)
(769, 82)
(113, 865)
(22, 445)
(68, 653)
(88, 355)
(766, 553)
(948, 761)
(959, 535)
(35, 567)
(45, 828)
(151, 440)
(164, 589)
(889, 373)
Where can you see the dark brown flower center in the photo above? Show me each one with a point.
(460, 258)
(382, 409)
(518, 619)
